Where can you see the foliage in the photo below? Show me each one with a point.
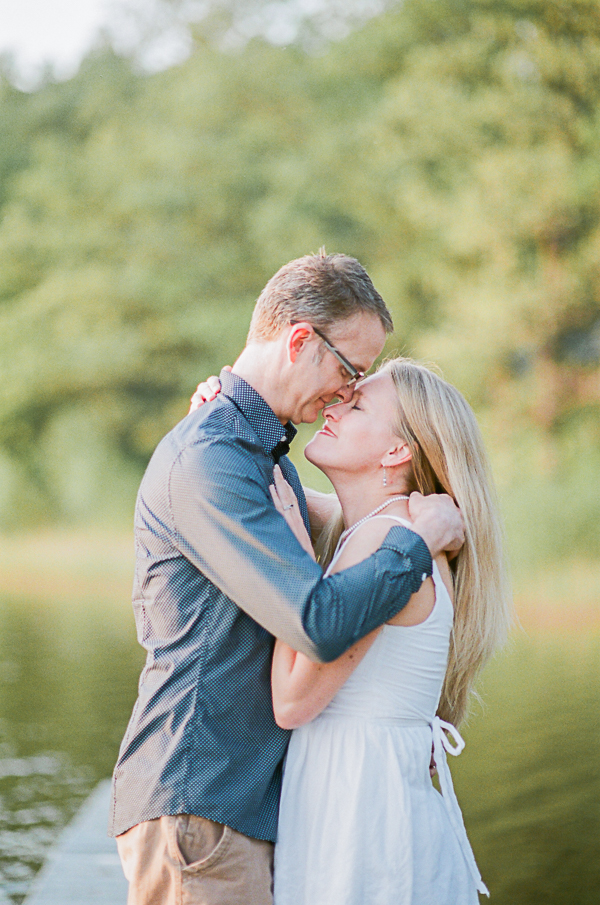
(453, 147)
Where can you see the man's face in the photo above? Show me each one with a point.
(320, 377)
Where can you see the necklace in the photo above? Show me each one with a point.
(349, 530)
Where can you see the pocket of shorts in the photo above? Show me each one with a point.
(194, 852)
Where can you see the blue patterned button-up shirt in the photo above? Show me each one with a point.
(218, 574)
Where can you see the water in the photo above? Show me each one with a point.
(68, 678)
(530, 786)
(528, 781)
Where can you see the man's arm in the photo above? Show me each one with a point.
(225, 523)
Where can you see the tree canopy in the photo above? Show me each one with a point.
(452, 147)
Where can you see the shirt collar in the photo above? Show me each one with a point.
(262, 419)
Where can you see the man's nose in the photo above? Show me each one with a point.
(345, 393)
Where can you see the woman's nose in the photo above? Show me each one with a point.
(334, 411)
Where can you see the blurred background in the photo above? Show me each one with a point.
(159, 161)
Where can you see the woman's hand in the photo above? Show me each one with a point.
(286, 503)
(206, 391)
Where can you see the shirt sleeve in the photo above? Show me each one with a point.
(225, 523)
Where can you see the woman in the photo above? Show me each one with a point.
(360, 820)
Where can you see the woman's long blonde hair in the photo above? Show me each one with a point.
(448, 456)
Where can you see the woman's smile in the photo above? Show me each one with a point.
(327, 430)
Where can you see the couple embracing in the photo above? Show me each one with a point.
(303, 703)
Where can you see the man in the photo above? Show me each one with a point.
(219, 573)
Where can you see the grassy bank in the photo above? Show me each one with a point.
(70, 567)
(67, 566)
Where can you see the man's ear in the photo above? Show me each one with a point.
(397, 455)
(297, 339)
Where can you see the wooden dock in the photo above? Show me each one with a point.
(83, 868)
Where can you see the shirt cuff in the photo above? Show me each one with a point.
(408, 543)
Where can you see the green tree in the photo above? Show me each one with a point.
(451, 146)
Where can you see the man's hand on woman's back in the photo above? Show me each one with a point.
(438, 520)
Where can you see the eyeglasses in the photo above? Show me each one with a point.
(354, 373)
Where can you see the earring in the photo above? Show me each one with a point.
(384, 477)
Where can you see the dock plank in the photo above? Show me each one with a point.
(84, 866)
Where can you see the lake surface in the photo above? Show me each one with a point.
(528, 781)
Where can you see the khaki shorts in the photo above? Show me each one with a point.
(189, 860)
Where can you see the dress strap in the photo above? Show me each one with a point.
(396, 518)
(337, 553)
(441, 745)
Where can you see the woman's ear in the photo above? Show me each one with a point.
(398, 455)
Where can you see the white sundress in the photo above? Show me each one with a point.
(360, 821)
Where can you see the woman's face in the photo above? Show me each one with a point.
(357, 435)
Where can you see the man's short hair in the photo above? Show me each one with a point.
(321, 289)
